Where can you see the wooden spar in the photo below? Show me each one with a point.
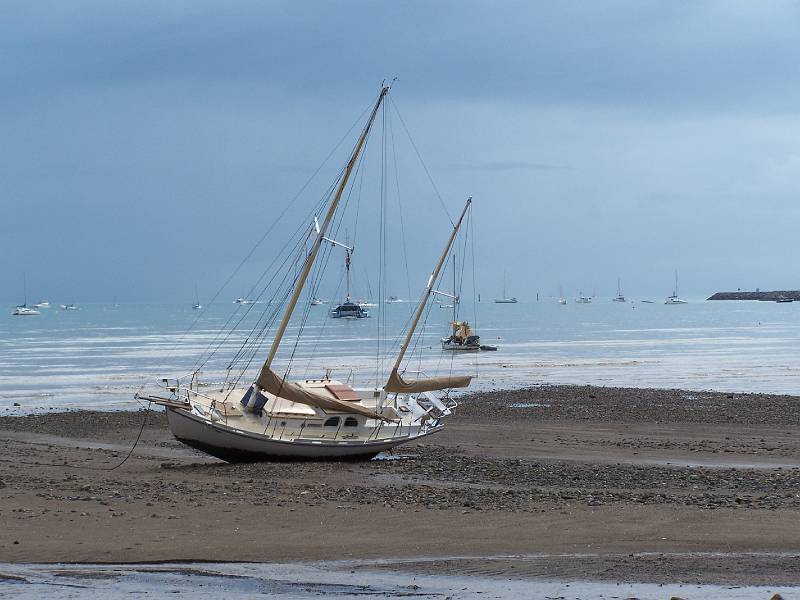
(431, 281)
(323, 228)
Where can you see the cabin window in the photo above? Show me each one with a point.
(332, 422)
(351, 422)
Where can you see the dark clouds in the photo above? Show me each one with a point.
(601, 139)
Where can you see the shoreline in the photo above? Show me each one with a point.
(616, 473)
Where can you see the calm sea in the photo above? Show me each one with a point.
(101, 354)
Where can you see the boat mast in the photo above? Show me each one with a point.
(429, 288)
(455, 294)
(347, 265)
(323, 228)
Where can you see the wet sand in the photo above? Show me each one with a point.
(568, 482)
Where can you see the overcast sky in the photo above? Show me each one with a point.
(145, 145)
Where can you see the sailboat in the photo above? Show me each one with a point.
(319, 418)
(196, 305)
(561, 298)
(619, 297)
(505, 299)
(23, 310)
(348, 309)
(674, 298)
(581, 299)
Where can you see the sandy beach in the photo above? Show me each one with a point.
(569, 481)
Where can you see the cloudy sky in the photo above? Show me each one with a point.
(145, 145)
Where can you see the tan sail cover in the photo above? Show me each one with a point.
(397, 384)
(276, 385)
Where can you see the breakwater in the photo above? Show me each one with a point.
(766, 296)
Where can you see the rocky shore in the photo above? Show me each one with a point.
(621, 474)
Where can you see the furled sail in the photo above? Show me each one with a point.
(397, 384)
(276, 385)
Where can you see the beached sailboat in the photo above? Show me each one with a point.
(674, 298)
(319, 418)
(505, 299)
(23, 310)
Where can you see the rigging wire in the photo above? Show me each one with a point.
(422, 162)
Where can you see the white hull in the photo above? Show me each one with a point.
(234, 445)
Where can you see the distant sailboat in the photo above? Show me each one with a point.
(505, 299)
(348, 309)
(196, 305)
(674, 298)
(581, 299)
(23, 310)
(561, 298)
(619, 297)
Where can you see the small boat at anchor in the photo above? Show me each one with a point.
(23, 310)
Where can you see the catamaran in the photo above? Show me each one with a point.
(320, 418)
(348, 309)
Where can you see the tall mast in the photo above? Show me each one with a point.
(347, 260)
(424, 300)
(455, 293)
(323, 228)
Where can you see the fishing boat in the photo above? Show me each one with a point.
(619, 297)
(315, 418)
(783, 299)
(70, 306)
(316, 302)
(505, 299)
(394, 300)
(23, 310)
(674, 298)
(42, 304)
(243, 301)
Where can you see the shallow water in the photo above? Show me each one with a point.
(333, 580)
(100, 355)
